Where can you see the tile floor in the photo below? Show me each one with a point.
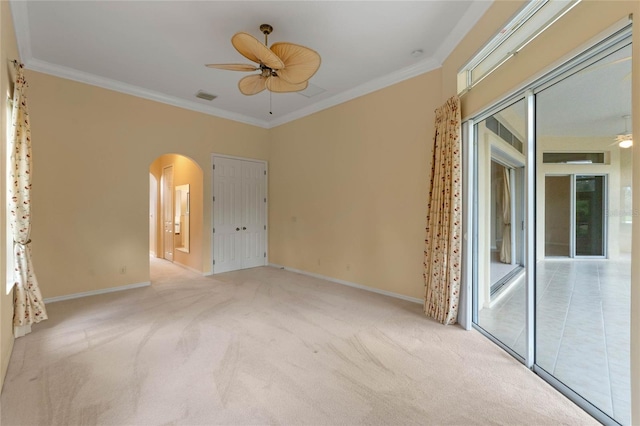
(582, 335)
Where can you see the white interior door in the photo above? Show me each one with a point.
(167, 212)
(227, 214)
(239, 214)
(253, 214)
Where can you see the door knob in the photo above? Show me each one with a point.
(244, 228)
(237, 229)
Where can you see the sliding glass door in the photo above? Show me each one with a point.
(501, 285)
(590, 226)
(582, 310)
(552, 228)
(574, 216)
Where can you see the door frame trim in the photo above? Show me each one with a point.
(266, 206)
(572, 214)
(162, 211)
(605, 221)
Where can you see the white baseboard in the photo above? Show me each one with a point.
(96, 292)
(188, 268)
(350, 284)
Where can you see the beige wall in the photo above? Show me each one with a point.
(92, 152)
(185, 171)
(348, 187)
(557, 215)
(8, 51)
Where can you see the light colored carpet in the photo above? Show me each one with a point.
(264, 346)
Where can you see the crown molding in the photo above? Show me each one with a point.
(19, 9)
(464, 25)
(20, 15)
(406, 73)
(129, 89)
(468, 20)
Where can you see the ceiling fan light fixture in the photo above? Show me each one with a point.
(625, 140)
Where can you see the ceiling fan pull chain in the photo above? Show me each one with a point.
(270, 103)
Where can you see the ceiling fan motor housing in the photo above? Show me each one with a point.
(266, 29)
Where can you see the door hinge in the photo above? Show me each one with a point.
(265, 254)
(265, 227)
(214, 261)
(214, 167)
(265, 200)
(265, 172)
(214, 198)
(214, 230)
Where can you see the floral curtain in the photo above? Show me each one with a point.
(442, 254)
(505, 249)
(27, 303)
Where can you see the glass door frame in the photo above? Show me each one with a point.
(605, 225)
(572, 214)
(617, 40)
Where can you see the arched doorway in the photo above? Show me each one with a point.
(176, 216)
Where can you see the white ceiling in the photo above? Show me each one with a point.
(590, 103)
(157, 49)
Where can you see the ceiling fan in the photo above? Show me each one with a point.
(284, 67)
(624, 140)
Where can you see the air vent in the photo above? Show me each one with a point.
(204, 95)
(573, 158)
(311, 91)
(496, 127)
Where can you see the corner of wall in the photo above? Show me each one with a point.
(8, 51)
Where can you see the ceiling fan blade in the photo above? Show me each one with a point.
(251, 48)
(234, 67)
(251, 84)
(278, 85)
(300, 62)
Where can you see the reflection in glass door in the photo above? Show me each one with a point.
(501, 301)
(582, 307)
(589, 225)
(557, 218)
(574, 224)
(567, 315)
